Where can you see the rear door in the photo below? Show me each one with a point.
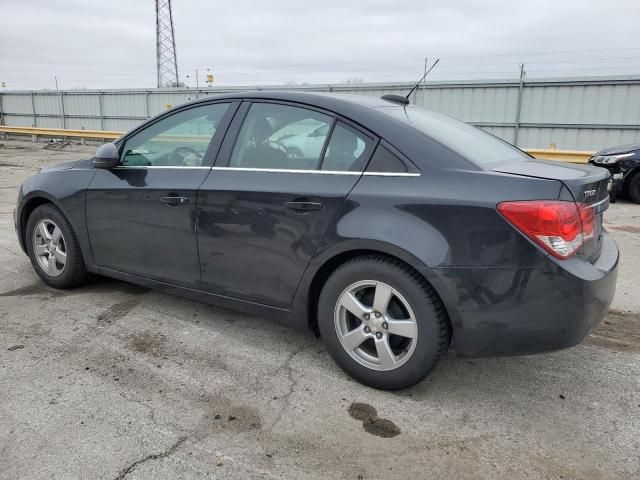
(141, 214)
(281, 176)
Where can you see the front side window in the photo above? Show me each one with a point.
(281, 137)
(181, 139)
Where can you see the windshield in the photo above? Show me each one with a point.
(475, 144)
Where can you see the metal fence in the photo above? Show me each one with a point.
(572, 114)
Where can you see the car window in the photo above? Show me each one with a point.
(383, 160)
(281, 137)
(181, 139)
(346, 151)
(471, 142)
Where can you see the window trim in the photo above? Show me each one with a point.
(164, 167)
(215, 143)
(315, 172)
(325, 145)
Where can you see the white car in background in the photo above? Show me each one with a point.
(308, 144)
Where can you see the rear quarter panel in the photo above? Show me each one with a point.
(448, 219)
(438, 222)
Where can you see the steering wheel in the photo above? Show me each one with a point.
(186, 156)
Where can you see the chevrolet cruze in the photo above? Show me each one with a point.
(393, 232)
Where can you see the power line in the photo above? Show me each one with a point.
(377, 61)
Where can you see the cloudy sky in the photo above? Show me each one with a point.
(111, 44)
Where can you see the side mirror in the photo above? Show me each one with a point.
(107, 156)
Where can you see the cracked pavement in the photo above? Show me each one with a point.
(119, 382)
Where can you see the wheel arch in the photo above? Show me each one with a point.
(330, 262)
(29, 204)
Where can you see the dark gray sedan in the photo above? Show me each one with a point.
(392, 231)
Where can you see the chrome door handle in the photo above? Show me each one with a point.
(174, 200)
(303, 205)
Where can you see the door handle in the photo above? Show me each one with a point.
(303, 205)
(174, 200)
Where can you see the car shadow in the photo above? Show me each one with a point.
(554, 375)
(483, 380)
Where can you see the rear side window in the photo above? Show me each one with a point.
(385, 161)
(283, 137)
(472, 143)
(347, 150)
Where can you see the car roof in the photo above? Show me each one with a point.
(302, 96)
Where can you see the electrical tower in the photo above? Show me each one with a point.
(167, 61)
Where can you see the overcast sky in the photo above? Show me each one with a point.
(111, 44)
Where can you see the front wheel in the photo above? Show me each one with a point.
(382, 322)
(53, 248)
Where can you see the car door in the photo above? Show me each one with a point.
(141, 214)
(271, 196)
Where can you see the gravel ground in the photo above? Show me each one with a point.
(116, 381)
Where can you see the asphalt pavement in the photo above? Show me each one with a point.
(113, 381)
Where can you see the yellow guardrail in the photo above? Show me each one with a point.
(573, 156)
(60, 132)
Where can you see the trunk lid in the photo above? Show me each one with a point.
(588, 185)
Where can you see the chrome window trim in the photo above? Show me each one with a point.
(271, 170)
(161, 167)
(391, 174)
(285, 170)
(321, 172)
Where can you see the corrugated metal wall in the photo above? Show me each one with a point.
(574, 114)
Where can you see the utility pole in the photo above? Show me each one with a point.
(166, 58)
(62, 114)
(197, 84)
(516, 126)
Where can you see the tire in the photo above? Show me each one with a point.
(633, 188)
(411, 299)
(69, 270)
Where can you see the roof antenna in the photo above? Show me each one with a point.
(423, 77)
(405, 100)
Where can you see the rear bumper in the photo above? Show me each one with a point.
(497, 312)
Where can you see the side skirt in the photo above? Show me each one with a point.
(280, 315)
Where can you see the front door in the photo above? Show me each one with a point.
(141, 214)
(262, 215)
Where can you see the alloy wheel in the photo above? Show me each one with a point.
(49, 247)
(375, 325)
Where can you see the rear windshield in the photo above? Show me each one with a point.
(475, 144)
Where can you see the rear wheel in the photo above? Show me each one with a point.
(634, 187)
(53, 248)
(382, 322)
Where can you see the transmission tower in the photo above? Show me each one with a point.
(167, 61)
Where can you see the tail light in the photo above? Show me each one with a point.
(559, 227)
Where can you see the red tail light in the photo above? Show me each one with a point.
(557, 226)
